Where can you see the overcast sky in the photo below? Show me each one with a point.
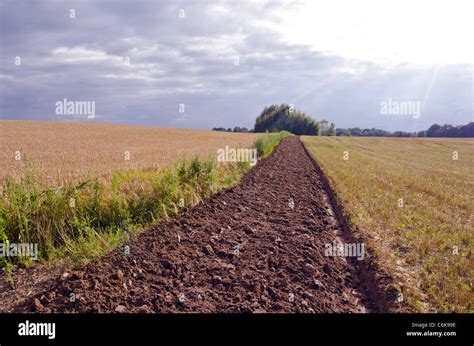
(225, 60)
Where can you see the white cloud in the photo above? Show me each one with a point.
(6, 76)
(222, 46)
(386, 32)
(81, 55)
(138, 76)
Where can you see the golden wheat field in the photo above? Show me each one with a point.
(66, 151)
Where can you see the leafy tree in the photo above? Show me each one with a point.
(343, 132)
(421, 134)
(431, 132)
(324, 126)
(332, 130)
(277, 118)
(467, 130)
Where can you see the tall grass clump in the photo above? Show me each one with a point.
(266, 143)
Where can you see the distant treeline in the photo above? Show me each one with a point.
(434, 131)
(284, 118)
(235, 129)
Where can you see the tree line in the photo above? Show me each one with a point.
(284, 117)
(435, 130)
(235, 129)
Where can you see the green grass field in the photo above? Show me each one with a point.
(412, 200)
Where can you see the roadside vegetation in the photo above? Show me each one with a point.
(85, 219)
(412, 200)
(266, 144)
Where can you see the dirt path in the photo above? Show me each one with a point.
(247, 249)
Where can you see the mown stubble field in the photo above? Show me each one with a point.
(411, 198)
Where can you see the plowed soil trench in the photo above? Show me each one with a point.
(247, 249)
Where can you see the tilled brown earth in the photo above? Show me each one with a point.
(247, 249)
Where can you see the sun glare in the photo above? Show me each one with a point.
(391, 32)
